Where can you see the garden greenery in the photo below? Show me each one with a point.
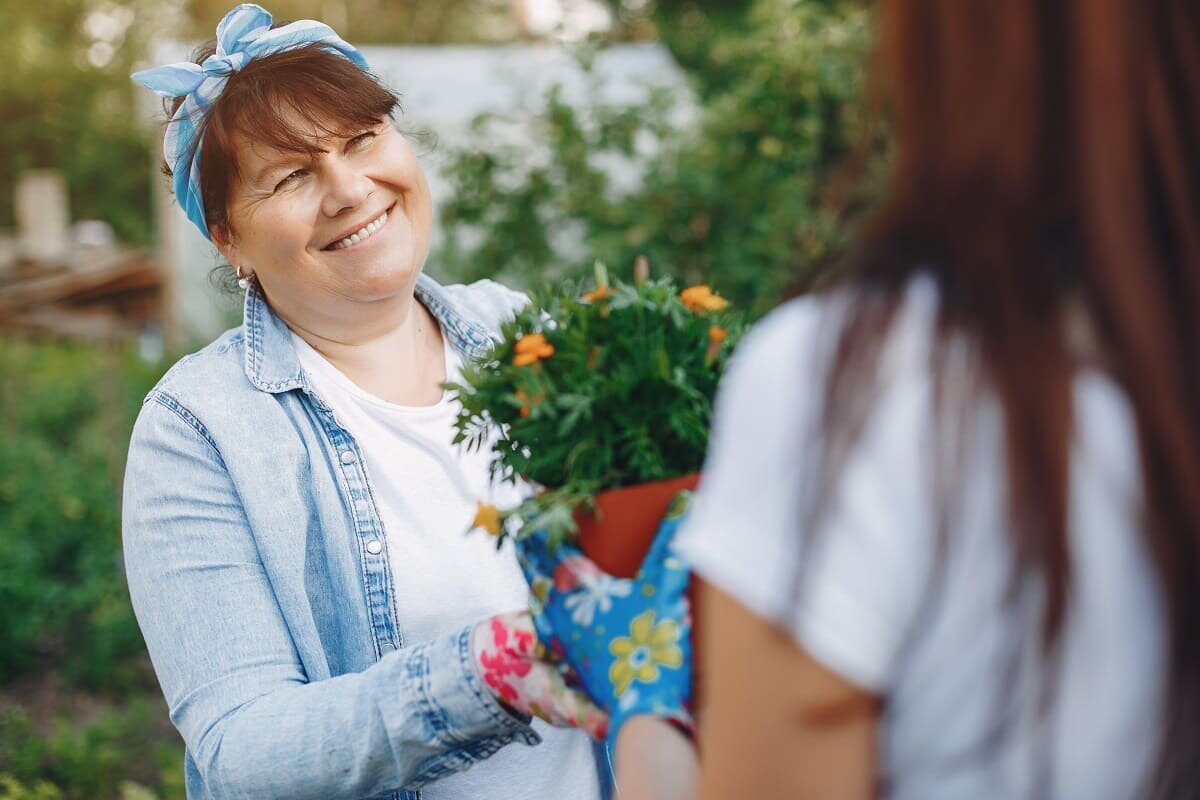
(744, 195)
(66, 412)
(129, 753)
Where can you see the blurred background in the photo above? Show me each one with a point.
(726, 140)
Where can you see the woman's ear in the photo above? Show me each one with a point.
(224, 241)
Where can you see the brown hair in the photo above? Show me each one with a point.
(1045, 163)
(325, 91)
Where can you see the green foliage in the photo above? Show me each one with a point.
(741, 196)
(66, 412)
(65, 415)
(120, 756)
(13, 789)
(67, 103)
(591, 393)
(372, 21)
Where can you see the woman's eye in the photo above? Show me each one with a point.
(361, 139)
(291, 178)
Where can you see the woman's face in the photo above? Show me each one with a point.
(352, 222)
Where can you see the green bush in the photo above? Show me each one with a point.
(122, 755)
(740, 199)
(13, 789)
(66, 412)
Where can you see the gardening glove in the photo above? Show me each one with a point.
(628, 640)
(514, 665)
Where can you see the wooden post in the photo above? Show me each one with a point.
(520, 15)
(42, 216)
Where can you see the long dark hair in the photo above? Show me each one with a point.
(1047, 169)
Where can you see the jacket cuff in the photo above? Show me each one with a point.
(458, 706)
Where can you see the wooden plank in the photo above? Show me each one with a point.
(92, 324)
(126, 270)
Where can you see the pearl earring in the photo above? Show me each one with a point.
(243, 281)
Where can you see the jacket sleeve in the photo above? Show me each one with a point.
(253, 723)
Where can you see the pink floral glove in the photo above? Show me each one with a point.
(515, 666)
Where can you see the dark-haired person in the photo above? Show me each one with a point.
(950, 519)
(294, 510)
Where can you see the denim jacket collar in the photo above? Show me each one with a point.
(271, 362)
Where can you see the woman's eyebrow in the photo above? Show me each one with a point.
(279, 162)
(284, 158)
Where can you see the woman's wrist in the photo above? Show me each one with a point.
(646, 727)
(655, 759)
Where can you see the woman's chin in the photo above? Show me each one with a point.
(388, 283)
(394, 270)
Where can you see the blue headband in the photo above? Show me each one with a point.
(244, 34)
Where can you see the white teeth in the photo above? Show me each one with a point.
(361, 233)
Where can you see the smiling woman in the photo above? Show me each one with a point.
(293, 504)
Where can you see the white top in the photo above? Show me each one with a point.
(425, 489)
(867, 606)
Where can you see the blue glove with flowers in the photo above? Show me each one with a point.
(627, 640)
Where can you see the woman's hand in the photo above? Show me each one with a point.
(513, 664)
(627, 640)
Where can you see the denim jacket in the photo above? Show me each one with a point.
(254, 560)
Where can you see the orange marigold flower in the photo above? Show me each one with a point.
(487, 516)
(701, 298)
(599, 293)
(530, 349)
(531, 342)
(524, 359)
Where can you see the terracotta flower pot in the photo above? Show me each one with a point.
(618, 536)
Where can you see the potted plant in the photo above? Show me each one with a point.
(602, 401)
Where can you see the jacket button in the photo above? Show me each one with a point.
(387, 647)
(348, 457)
(374, 547)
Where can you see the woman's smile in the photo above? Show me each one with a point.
(365, 236)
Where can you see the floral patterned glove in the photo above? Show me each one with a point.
(513, 664)
(628, 640)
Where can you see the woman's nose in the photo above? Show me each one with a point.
(346, 186)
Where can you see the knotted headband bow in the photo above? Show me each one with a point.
(244, 34)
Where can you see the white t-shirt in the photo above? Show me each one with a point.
(425, 489)
(867, 605)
